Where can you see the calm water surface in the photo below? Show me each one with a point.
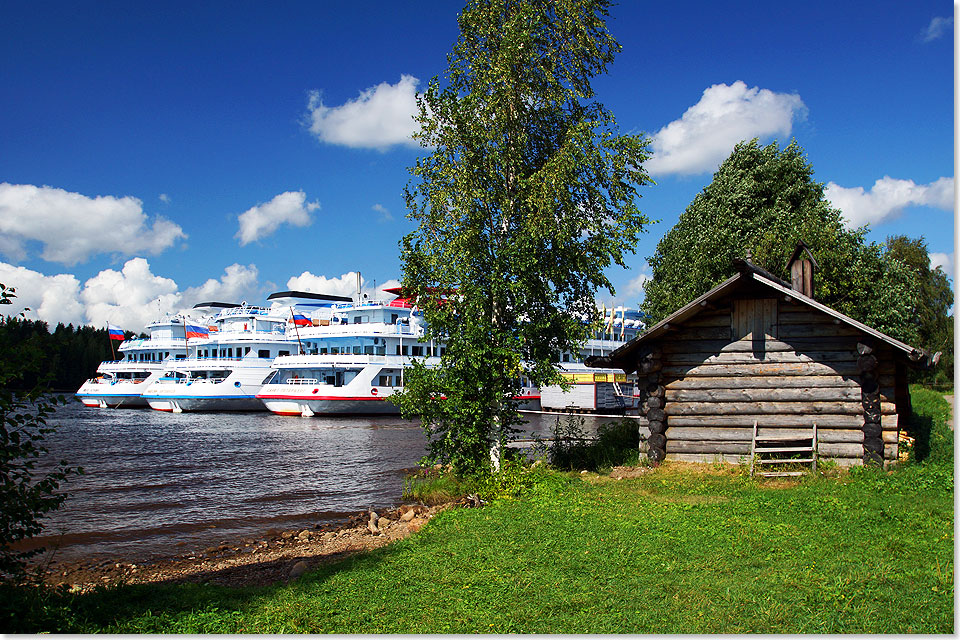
(160, 484)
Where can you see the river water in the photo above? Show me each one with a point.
(160, 484)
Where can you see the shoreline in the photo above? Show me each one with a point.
(275, 556)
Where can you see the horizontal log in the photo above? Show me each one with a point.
(719, 318)
(702, 333)
(802, 316)
(684, 446)
(889, 421)
(748, 357)
(765, 382)
(748, 345)
(776, 408)
(709, 458)
(765, 394)
(747, 420)
(729, 458)
(763, 369)
(839, 449)
(787, 331)
(890, 451)
(740, 434)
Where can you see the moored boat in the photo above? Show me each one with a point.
(121, 382)
(226, 364)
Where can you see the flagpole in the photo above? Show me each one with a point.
(186, 340)
(110, 340)
(297, 330)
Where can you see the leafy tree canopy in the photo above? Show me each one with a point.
(763, 200)
(527, 196)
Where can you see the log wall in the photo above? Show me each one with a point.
(774, 362)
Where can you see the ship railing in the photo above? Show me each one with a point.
(302, 381)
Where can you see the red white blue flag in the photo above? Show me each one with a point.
(116, 333)
(301, 320)
(193, 331)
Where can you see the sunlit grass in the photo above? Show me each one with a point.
(680, 549)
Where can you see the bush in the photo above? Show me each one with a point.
(616, 443)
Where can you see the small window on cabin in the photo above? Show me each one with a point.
(566, 356)
(356, 320)
(263, 353)
(246, 350)
(393, 318)
(417, 351)
(283, 353)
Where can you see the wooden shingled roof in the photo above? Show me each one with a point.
(625, 357)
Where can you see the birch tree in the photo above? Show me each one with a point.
(527, 196)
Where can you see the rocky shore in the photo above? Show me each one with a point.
(279, 556)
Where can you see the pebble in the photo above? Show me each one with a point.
(409, 515)
(298, 570)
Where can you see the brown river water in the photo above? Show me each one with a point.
(157, 484)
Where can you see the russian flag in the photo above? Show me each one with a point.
(301, 320)
(116, 333)
(193, 331)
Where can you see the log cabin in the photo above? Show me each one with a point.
(758, 360)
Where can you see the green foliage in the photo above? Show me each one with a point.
(616, 443)
(763, 200)
(527, 197)
(928, 425)
(66, 357)
(931, 308)
(25, 494)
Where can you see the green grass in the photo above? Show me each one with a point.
(680, 549)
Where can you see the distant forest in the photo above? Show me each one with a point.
(62, 360)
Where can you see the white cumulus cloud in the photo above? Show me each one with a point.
(237, 284)
(944, 261)
(725, 115)
(380, 117)
(131, 297)
(937, 28)
(344, 285)
(887, 198)
(262, 220)
(72, 227)
(53, 298)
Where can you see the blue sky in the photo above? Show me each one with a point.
(157, 155)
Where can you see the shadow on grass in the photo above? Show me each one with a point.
(163, 606)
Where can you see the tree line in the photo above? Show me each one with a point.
(62, 359)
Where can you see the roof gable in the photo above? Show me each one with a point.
(748, 272)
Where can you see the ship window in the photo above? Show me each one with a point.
(263, 353)
(566, 356)
(384, 381)
(246, 350)
(418, 351)
(283, 353)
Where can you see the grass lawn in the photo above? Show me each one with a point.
(681, 549)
